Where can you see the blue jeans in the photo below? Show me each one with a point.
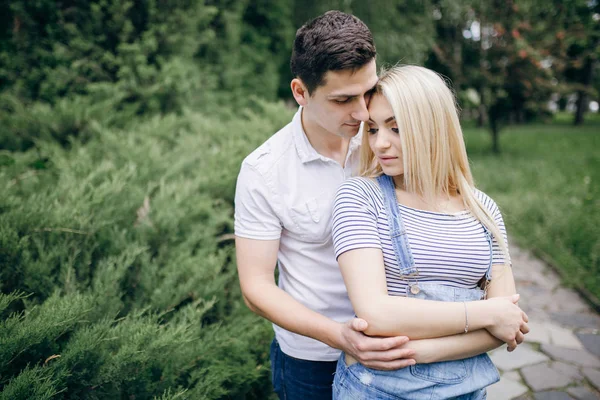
(295, 379)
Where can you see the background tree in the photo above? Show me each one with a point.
(577, 50)
(515, 82)
(403, 30)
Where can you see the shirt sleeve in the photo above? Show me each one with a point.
(354, 218)
(497, 254)
(255, 216)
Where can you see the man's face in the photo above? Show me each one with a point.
(339, 106)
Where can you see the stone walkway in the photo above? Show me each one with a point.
(560, 358)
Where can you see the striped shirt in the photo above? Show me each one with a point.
(449, 249)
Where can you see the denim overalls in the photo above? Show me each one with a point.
(460, 379)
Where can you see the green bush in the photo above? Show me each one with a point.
(121, 250)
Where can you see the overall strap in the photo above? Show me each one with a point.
(488, 273)
(489, 238)
(398, 235)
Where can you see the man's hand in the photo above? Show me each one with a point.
(374, 352)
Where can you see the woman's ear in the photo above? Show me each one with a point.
(299, 91)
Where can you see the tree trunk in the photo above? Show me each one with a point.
(493, 118)
(483, 110)
(481, 116)
(482, 113)
(582, 103)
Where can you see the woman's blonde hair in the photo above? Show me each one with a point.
(433, 150)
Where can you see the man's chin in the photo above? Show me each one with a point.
(349, 131)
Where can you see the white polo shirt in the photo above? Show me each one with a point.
(285, 190)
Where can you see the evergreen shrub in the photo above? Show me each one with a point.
(117, 270)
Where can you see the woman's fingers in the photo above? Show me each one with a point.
(520, 338)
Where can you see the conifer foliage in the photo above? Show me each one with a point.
(117, 168)
(121, 252)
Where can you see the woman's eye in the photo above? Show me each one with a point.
(395, 130)
(372, 130)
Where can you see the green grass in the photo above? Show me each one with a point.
(547, 183)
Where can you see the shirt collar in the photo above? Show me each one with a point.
(305, 151)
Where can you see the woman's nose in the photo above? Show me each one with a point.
(382, 141)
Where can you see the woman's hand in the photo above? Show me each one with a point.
(508, 321)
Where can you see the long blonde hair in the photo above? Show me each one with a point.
(433, 150)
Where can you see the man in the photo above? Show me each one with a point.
(283, 206)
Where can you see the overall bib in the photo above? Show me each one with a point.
(460, 379)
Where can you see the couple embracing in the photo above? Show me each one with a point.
(394, 272)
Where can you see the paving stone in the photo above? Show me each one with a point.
(569, 370)
(534, 301)
(537, 273)
(531, 292)
(566, 300)
(526, 396)
(539, 332)
(552, 395)
(563, 337)
(505, 389)
(549, 279)
(590, 342)
(580, 320)
(543, 376)
(512, 375)
(522, 356)
(578, 357)
(582, 393)
(593, 376)
(539, 316)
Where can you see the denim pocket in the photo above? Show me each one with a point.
(441, 372)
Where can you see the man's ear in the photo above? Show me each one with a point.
(299, 91)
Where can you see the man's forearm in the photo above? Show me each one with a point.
(453, 347)
(274, 304)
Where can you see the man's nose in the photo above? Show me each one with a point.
(361, 113)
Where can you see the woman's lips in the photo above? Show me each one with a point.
(386, 159)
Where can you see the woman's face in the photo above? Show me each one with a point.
(384, 139)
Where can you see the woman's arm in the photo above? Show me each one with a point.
(460, 346)
(364, 275)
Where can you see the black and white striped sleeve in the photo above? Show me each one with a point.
(354, 217)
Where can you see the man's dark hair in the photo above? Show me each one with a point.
(333, 41)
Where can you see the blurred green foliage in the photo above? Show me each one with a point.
(547, 183)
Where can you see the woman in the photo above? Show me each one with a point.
(423, 253)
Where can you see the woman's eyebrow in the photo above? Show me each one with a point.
(385, 122)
